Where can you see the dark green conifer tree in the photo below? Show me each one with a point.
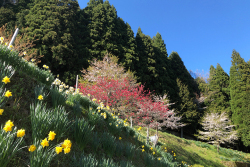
(239, 93)
(145, 68)
(56, 26)
(164, 81)
(218, 98)
(186, 107)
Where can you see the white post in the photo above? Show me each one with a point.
(13, 38)
(76, 82)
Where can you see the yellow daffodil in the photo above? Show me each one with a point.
(6, 80)
(40, 97)
(159, 159)
(8, 94)
(7, 128)
(20, 133)
(24, 53)
(6, 43)
(52, 135)
(32, 148)
(1, 39)
(151, 148)
(66, 150)
(58, 150)
(45, 142)
(153, 153)
(116, 125)
(11, 46)
(142, 150)
(94, 99)
(142, 146)
(120, 138)
(66, 144)
(1, 111)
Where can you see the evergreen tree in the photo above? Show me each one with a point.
(146, 66)
(56, 26)
(102, 19)
(185, 105)
(239, 93)
(218, 99)
(164, 81)
(179, 71)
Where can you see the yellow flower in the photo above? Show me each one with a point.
(116, 125)
(40, 97)
(151, 148)
(93, 113)
(1, 111)
(45, 142)
(110, 124)
(120, 138)
(108, 108)
(32, 148)
(159, 159)
(8, 93)
(66, 144)
(58, 150)
(52, 135)
(32, 60)
(102, 113)
(6, 80)
(7, 128)
(94, 99)
(89, 95)
(139, 128)
(9, 123)
(11, 46)
(1, 39)
(153, 153)
(20, 133)
(142, 150)
(66, 150)
(24, 53)
(142, 146)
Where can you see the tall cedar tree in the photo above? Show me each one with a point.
(56, 26)
(186, 107)
(218, 99)
(145, 69)
(102, 19)
(179, 71)
(164, 81)
(239, 93)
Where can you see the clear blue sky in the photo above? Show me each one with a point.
(203, 32)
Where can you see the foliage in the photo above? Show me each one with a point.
(239, 94)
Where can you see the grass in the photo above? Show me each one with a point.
(101, 146)
(199, 153)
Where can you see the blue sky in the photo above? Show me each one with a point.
(203, 32)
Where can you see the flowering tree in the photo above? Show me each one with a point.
(218, 129)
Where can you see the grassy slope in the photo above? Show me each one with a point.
(18, 110)
(199, 153)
